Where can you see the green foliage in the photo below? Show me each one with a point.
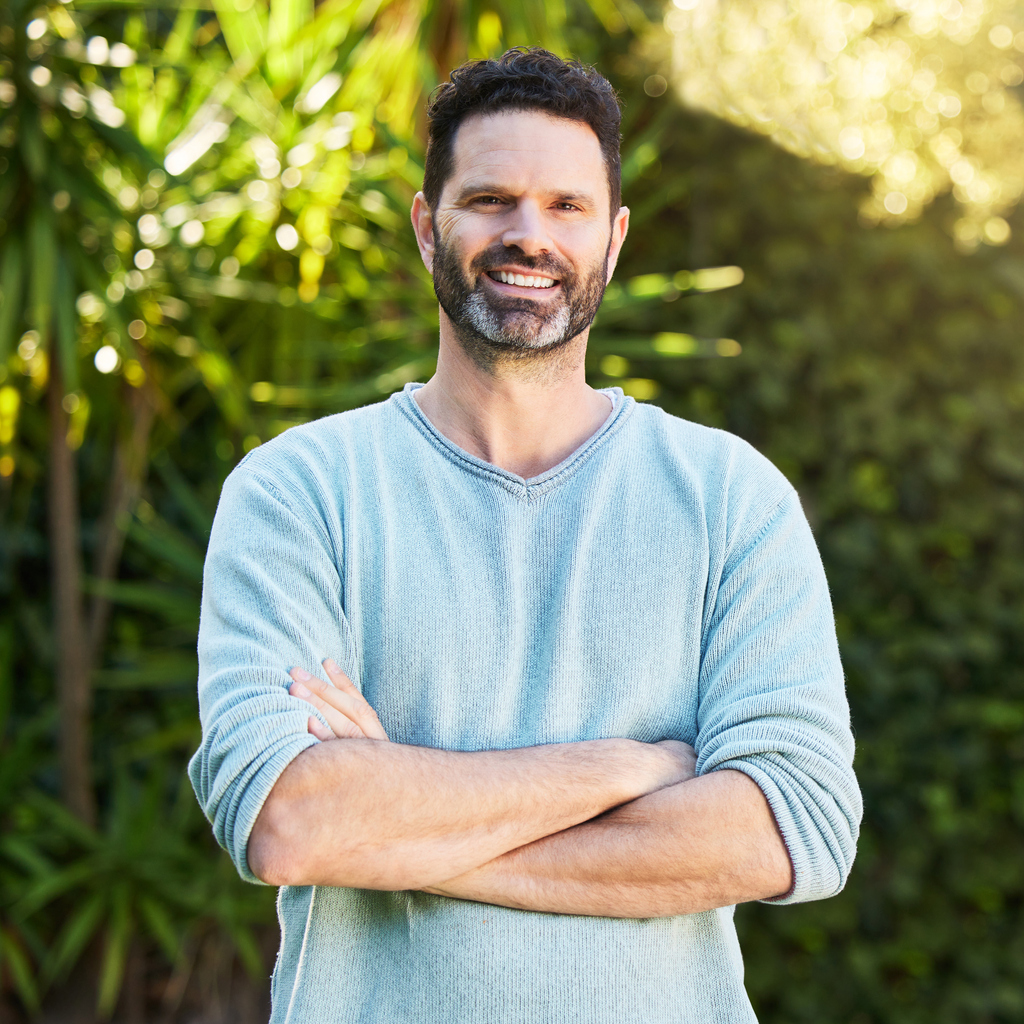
(880, 369)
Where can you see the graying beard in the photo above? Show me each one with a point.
(484, 320)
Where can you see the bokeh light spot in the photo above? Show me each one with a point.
(106, 359)
(287, 237)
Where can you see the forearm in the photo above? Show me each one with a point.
(377, 815)
(709, 842)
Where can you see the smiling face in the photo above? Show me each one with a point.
(522, 241)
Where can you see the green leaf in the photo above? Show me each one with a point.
(163, 541)
(67, 325)
(179, 42)
(160, 670)
(78, 929)
(24, 852)
(43, 263)
(126, 144)
(119, 931)
(158, 921)
(58, 815)
(665, 345)
(86, 195)
(17, 963)
(9, 182)
(285, 54)
(245, 32)
(12, 279)
(175, 604)
(248, 951)
(47, 889)
(33, 145)
(184, 735)
(188, 500)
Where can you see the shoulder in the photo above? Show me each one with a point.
(736, 481)
(723, 480)
(309, 452)
(304, 468)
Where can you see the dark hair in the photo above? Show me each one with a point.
(522, 79)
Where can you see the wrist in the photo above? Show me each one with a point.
(662, 764)
(638, 768)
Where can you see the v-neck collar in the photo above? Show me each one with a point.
(524, 487)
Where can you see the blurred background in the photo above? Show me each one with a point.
(204, 240)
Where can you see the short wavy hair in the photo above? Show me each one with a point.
(524, 78)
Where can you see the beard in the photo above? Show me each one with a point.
(496, 328)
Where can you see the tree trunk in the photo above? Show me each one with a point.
(122, 496)
(72, 666)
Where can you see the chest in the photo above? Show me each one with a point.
(483, 620)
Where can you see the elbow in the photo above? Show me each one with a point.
(272, 857)
(268, 864)
(267, 852)
(289, 846)
(290, 843)
(817, 821)
(821, 870)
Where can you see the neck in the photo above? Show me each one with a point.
(523, 415)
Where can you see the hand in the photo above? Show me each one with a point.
(345, 708)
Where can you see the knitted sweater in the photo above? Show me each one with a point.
(661, 582)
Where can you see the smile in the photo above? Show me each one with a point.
(522, 280)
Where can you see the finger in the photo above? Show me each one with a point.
(318, 729)
(348, 701)
(359, 710)
(354, 708)
(343, 726)
(339, 677)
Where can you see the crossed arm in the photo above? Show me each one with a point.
(609, 828)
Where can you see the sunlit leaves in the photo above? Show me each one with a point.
(921, 95)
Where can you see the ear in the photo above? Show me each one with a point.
(423, 225)
(619, 228)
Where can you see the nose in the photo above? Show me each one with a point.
(526, 229)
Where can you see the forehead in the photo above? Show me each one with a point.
(525, 149)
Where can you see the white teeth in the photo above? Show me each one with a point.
(525, 282)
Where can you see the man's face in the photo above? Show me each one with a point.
(522, 232)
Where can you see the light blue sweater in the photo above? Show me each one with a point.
(662, 582)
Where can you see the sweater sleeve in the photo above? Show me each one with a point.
(773, 704)
(271, 601)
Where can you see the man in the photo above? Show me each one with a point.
(533, 602)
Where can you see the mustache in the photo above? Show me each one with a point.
(498, 255)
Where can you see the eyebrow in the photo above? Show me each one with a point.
(483, 188)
